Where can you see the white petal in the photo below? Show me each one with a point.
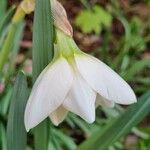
(104, 80)
(58, 115)
(103, 102)
(81, 99)
(48, 92)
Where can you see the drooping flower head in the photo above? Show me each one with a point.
(76, 82)
(73, 81)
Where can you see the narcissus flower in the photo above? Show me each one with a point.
(76, 82)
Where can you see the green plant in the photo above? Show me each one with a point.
(93, 19)
(126, 52)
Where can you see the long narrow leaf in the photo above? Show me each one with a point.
(42, 55)
(8, 44)
(3, 5)
(3, 143)
(15, 49)
(42, 37)
(121, 126)
(6, 19)
(16, 134)
(41, 136)
(5, 100)
(137, 67)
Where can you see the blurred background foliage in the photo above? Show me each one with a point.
(115, 31)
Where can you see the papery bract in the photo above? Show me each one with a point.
(60, 18)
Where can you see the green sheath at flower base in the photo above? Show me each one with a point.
(76, 82)
(66, 45)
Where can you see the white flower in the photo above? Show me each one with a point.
(74, 82)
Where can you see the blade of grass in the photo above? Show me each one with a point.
(67, 141)
(42, 37)
(120, 126)
(3, 141)
(6, 19)
(5, 101)
(8, 43)
(80, 123)
(42, 55)
(16, 133)
(119, 59)
(104, 47)
(137, 67)
(4, 53)
(3, 5)
(15, 49)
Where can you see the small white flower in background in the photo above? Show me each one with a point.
(76, 82)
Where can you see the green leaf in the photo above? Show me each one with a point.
(80, 123)
(42, 55)
(42, 37)
(93, 20)
(120, 126)
(5, 101)
(41, 136)
(3, 141)
(4, 53)
(8, 44)
(67, 141)
(6, 19)
(15, 49)
(3, 5)
(16, 133)
(137, 67)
